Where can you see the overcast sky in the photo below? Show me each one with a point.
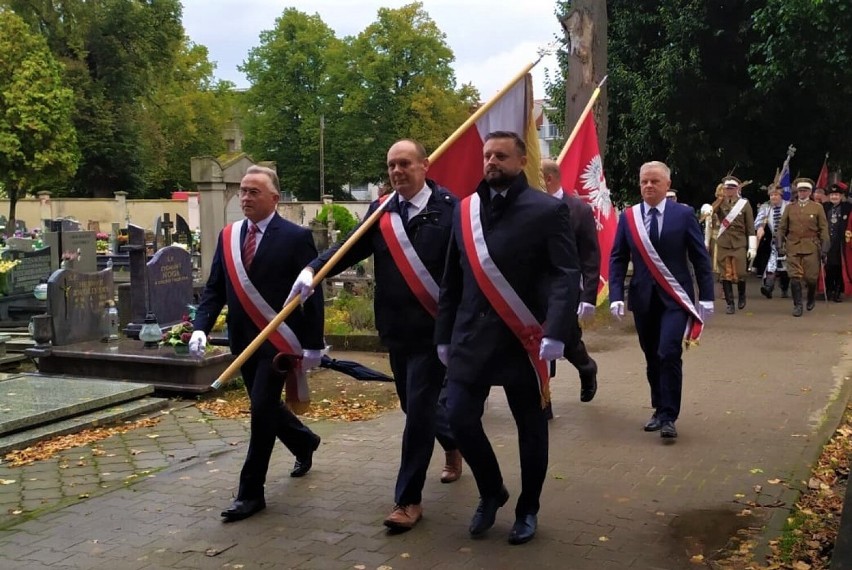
(492, 39)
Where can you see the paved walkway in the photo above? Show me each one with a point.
(761, 395)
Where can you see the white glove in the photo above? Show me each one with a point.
(752, 247)
(586, 311)
(551, 349)
(303, 286)
(444, 353)
(311, 358)
(616, 309)
(197, 343)
(705, 310)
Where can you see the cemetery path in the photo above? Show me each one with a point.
(761, 395)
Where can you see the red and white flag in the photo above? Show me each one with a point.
(822, 179)
(582, 174)
(459, 166)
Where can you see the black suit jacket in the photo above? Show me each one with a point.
(401, 320)
(586, 236)
(533, 246)
(283, 252)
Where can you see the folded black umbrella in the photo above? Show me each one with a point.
(354, 369)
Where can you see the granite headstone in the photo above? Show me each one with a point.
(76, 302)
(170, 284)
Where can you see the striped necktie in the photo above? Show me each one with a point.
(250, 245)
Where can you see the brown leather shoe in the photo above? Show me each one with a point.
(404, 517)
(452, 466)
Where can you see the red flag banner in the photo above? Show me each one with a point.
(459, 167)
(583, 175)
(822, 179)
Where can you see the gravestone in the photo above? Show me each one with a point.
(76, 302)
(20, 243)
(33, 266)
(137, 252)
(182, 232)
(78, 249)
(163, 231)
(169, 284)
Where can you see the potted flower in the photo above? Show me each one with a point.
(178, 336)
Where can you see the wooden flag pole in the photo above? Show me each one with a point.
(595, 94)
(234, 367)
(481, 111)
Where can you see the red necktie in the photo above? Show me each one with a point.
(249, 246)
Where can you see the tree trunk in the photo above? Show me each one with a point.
(586, 32)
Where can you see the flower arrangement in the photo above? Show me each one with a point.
(102, 242)
(179, 334)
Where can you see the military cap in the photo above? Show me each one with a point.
(838, 188)
(806, 183)
(731, 182)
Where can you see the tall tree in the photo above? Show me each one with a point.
(393, 80)
(38, 144)
(182, 116)
(802, 59)
(113, 51)
(402, 85)
(585, 26)
(292, 88)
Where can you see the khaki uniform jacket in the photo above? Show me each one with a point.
(737, 234)
(804, 228)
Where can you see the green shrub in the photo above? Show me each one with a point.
(344, 221)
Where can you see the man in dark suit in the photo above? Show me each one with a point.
(256, 260)
(586, 237)
(661, 238)
(512, 265)
(418, 220)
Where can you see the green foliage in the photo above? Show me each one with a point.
(392, 80)
(349, 314)
(344, 221)
(144, 99)
(711, 87)
(38, 145)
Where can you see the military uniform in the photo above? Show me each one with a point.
(839, 217)
(804, 231)
(734, 245)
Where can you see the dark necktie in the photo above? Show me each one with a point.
(404, 205)
(655, 226)
(250, 245)
(498, 204)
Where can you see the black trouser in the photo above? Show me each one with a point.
(419, 377)
(466, 401)
(577, 354)
(833, 279)
(270, 418)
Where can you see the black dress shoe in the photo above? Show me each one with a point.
(654, 424)
(668, 431)
(303, 464)
(523, 530)
(589, 383)
(242, 509)
(486, 512)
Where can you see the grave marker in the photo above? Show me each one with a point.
(76, 302)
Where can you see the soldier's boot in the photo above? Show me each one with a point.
(728, 290)
(785, 284)
(796, 290)
(741, 294)
(811, 296)
(768, 287)
(838, 295)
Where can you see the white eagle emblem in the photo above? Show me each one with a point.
(596, 192)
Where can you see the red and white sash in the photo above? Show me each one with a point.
(410, 265)
(729, 219)
(500, 294)
(261, 313)
(662, 275)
